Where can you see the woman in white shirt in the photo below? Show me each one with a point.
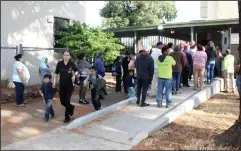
(20, 78)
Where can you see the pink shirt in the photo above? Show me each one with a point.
(199, 58)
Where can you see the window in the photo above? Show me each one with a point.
(225, 40)
(60, 24)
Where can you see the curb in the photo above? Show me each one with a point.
(97, 114)
(178, 110)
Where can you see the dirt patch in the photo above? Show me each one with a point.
(197, 129)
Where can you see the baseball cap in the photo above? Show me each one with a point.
(146, 48)
(159, 43)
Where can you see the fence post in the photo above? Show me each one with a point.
(16, 50)
(21, 48)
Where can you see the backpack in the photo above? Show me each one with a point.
(113, 70)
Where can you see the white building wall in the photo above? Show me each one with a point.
(26, 21)
(213, 10)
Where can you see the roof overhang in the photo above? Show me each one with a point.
(195, 23)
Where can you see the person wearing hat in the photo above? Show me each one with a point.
(100, 68)
(145, 70)
(156, 52)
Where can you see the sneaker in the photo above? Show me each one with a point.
(83, 102)
(137, 102)
(160, 105)
(144, 104)
(169, 105)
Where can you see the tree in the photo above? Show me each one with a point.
(137, 13)
(232, 136)
(82, 38)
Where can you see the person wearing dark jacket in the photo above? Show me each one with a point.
(47, 92)
(212, 54)
(125, 64)
(118, 74)
(177, 68)
(187, 70)
(145, 70)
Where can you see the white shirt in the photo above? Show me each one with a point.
(156, 52)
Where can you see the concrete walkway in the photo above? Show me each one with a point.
(122, 129)
(18, 124)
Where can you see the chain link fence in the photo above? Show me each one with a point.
(32, 57)
(7, 61)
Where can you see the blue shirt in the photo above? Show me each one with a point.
(16, 77)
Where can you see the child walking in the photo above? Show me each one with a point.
(97, 87)
(130, 84)
(47, 92)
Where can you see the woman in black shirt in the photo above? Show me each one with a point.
(66, 69)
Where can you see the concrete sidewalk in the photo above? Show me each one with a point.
(122, 129)
(20, 123)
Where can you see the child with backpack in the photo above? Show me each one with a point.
(97, 85)
(47, 92)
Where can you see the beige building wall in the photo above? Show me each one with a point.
(214, 10)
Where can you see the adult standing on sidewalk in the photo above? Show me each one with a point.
(218, 71)
(118, 74)
(229, 74)
(20, 78)
(238, 76)
(145, 70)
(199, 62)
(125, 64)
(190, 65)
(66, 69)
(44, 68)
(99, 65)
(165, 64)
(83, 69)
(177, 68)
(156, 52)
(212, 54)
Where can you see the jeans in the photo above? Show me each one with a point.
(19, 87)
(176, 81)
(95, 99)
(210, 71)
(118, 84)
(49, 109)
(82, 89)
(132, 92)
(167, 84)
(238, 83)
(142, 86)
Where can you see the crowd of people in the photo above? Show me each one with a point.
(70, 73)
(166, 68)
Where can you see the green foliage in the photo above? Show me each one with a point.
(137, 13)
(82, 38)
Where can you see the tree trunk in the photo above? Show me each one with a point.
(239, 12)
(232, 136)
